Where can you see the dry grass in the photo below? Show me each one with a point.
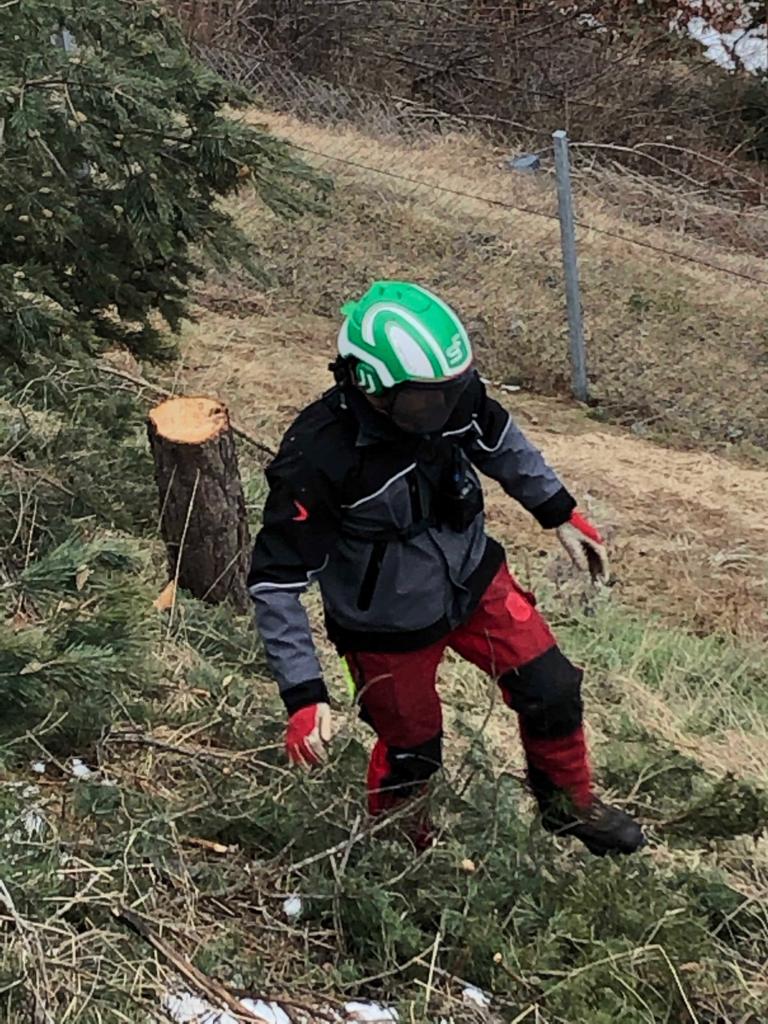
(687, 529)
(676, 350)
(682, 212)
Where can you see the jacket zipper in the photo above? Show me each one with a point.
(371, 577)
(417, 511)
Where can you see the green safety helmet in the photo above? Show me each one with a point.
(400, 333)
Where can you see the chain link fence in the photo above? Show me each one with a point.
(673, 306)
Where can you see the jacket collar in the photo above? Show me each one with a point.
(373, 426)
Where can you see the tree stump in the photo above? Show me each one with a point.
(202, 507)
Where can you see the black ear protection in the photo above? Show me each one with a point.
(343, 370)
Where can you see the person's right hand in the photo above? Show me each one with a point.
(307, 733)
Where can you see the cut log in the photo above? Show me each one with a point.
(202, 507)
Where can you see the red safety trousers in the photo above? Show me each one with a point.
(505, 637)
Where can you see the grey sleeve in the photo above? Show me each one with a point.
(299, 531)
(504, 453)
(284, 626)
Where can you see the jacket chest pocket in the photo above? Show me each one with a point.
(374, 522)
(382, 513)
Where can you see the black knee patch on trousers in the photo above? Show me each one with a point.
(546, 693)
(412, 767)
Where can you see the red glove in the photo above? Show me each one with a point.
(585, 546)
(308, 731)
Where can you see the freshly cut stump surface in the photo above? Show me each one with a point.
(202, 507)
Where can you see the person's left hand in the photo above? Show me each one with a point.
(585, 546)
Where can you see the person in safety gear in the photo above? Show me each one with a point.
(374, 493)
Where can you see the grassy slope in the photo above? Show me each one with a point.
(194, 755)
(676, 350)
(676, 934)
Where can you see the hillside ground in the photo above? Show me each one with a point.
(189, 815)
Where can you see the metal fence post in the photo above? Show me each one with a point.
(571, 268)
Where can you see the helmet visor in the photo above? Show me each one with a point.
(425, 408)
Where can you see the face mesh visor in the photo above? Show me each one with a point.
(426, 408)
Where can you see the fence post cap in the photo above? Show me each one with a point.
(524, 162)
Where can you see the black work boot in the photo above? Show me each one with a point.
(603, 829)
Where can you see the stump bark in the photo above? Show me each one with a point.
(202, 508)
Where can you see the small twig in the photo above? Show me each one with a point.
(533, 1008)
(314, 1013)
(445, 974)
(139, 739)
(32, 944)
(207, 844)
(431, 975)
(166, 496)
(358, 983)
(353, 833)
(180, 553)
(665, 956)
(28, 554)
(51, 156)
(350, 841)
(31, 471)
(212, 989)
(223, 572)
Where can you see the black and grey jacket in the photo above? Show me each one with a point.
(390, 525)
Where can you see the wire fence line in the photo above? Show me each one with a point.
(420, 192)
(315, 99)
(505, 204)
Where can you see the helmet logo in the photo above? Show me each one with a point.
(367, 379)
(455, 353)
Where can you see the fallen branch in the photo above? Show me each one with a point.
(215, 992)
(139, 739)
(209, 844)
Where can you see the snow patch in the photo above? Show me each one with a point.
(472, 996)
(292, 907)
(271, 1012)
(370, 1012)
(79, 769)
(737, 48)
(186, 1008)
(182, 1007)
(30, 822)
(33, 822)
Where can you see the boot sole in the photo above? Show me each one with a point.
(600, 850)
